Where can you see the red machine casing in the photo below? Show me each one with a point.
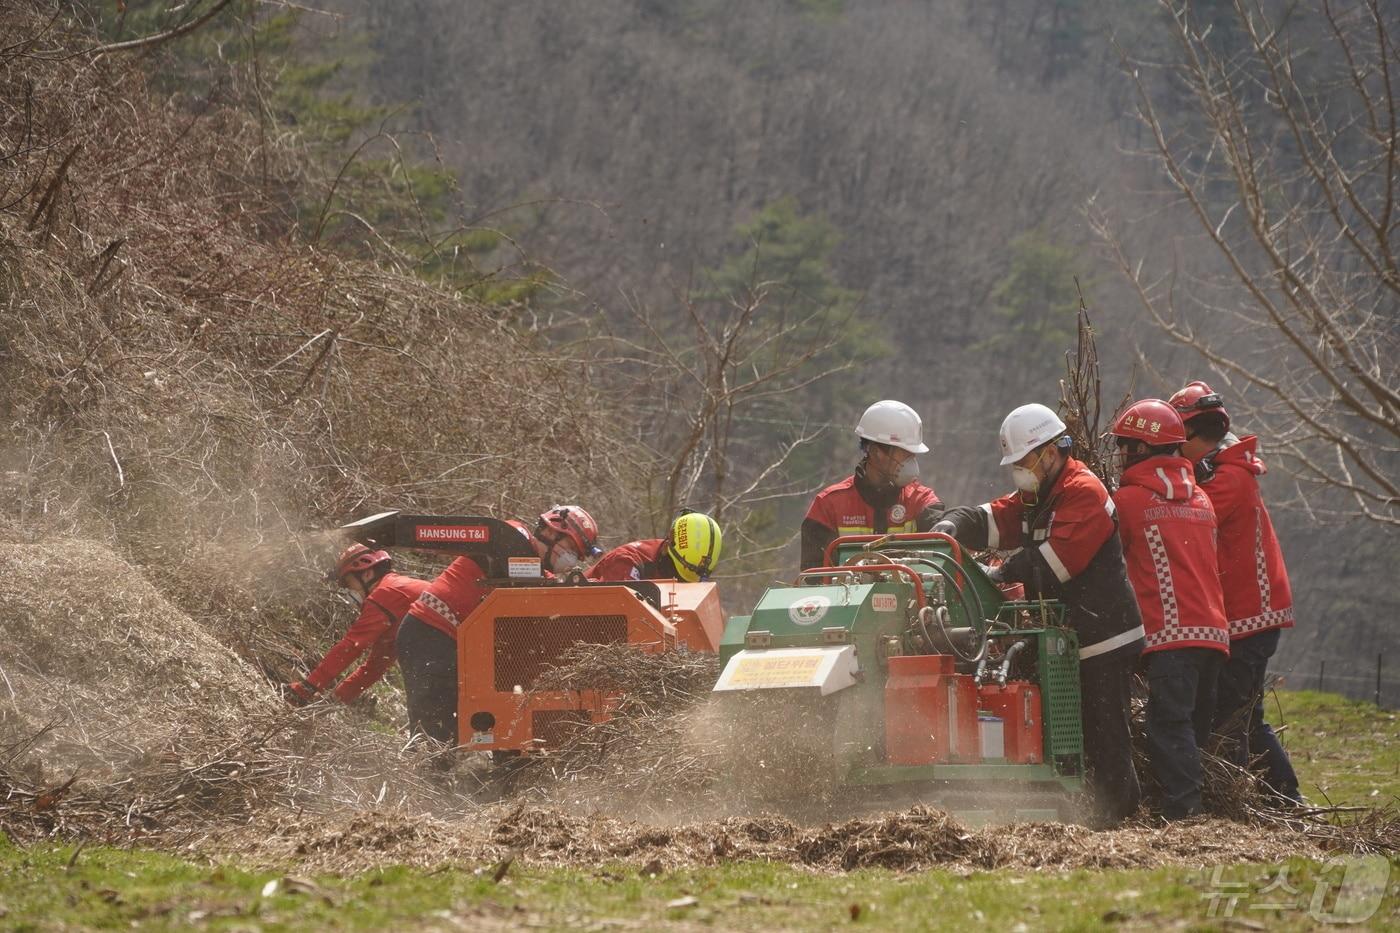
(1017, 705)
(517, 633)
(930, 712)
(1013, 591)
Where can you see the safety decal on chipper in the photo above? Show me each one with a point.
(520, 568)
(828, 669)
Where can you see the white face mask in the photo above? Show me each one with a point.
(563, 560)
(907, 473)
(1025, 479)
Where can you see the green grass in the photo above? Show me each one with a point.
(1344, 751)
(115, 889)
(1348, 748)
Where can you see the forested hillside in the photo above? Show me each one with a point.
(682, 244)
(951, 154)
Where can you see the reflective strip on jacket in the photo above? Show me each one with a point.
(1069, 550)
(1168, 530)
(451, 597)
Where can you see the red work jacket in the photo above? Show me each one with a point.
(373, 631)
(1069, 550)
(851, 507)
(639, 560)
(1258, 596)
(451, 597)
(1168, 531)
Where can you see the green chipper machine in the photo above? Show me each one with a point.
(903, 674)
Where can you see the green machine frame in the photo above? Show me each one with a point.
(882, 595)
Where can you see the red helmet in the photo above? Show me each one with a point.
(576, 524)
(355, 558)
(1197, 399)
(1151, 421)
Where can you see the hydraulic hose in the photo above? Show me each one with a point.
(951, 578)
(1006, 662)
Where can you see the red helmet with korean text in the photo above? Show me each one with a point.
(356, 558)
(1151, 421)
(575, 524)
(1197, 398)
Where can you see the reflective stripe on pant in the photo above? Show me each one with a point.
(1105, 682)
(1239, 713)
(428, 660)
(1181, 687)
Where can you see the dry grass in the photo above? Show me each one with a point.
(184, 375)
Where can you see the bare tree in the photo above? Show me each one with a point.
(718, 386)
(1286, 159)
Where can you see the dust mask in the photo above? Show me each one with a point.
(907, 473)
(356, 597)
(1025, 480)
(563, 561)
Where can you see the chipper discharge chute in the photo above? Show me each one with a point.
(923, 680)
(528, 620)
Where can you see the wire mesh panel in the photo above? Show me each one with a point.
(1059, 690)
(551, 728)
(526, 645)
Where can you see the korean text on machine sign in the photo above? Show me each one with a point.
(787, 664)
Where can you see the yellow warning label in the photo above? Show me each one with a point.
(760, 671)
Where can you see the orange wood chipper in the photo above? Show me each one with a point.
(529, 619)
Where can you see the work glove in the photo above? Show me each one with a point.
(299, 693)
(994, 572)
(945, 527)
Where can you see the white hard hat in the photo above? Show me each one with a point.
(1025, 429)
(893, 423)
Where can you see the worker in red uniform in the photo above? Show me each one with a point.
(427, 641)
(1062, 520)
(689, 552)
(1258, 598)
(1168, 529)
(383, 597)
(883, 494)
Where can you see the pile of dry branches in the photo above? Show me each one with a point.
(916, 839)
(648, 749)
(324, 760)
(187, 376)
(121, 717)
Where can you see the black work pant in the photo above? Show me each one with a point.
(1239, 713)
(1181, 690)
(428, 660)
(1105, 684)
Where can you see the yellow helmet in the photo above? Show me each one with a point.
(694, 545)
